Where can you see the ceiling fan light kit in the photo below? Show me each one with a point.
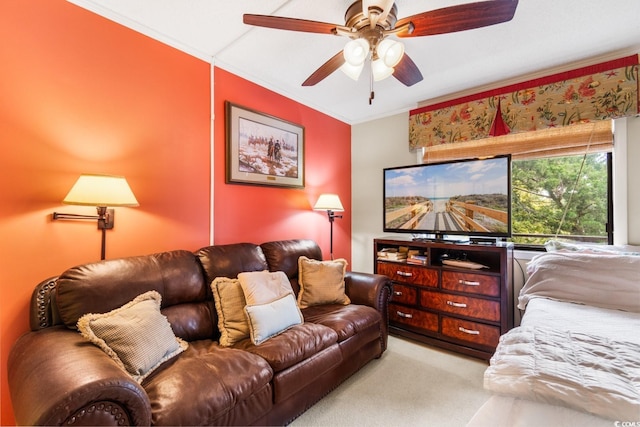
(352, 71)
(390, 51)
(356, 51)
(369, 23)
(380, 70)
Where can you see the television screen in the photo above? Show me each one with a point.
(467, 197)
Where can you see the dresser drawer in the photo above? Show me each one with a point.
(409, 274)
(462, 305)
(404, 294)
(481, 284)
(472, 332)
(413, 317)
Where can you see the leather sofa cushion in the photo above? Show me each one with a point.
(282, 255)
(292, 346)
(204, 383)
(345, 320)
(103, 286)
(231, 260)
(292, 380)
(193, 321)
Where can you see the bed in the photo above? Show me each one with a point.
(575, 358)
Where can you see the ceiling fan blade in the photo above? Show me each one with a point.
(407, 71)
(292, 24)
(325, 69)
(458, 18)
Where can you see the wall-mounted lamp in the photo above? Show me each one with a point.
(99, 191)
(331, 203)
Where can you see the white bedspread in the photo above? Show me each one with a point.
(587, 372)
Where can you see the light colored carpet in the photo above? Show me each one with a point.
(410, 385)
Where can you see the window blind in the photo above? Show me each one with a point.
(567, 140)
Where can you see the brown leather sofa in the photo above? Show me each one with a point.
(57, 377)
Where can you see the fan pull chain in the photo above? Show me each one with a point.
(371, 93)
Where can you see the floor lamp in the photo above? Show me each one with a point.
(99, 191)
(330, 203)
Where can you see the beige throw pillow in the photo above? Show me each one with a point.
(230, 302)
(261, 287)
(321, 282)
(137, 336)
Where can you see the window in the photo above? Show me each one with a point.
(567, 197)
(557, 190)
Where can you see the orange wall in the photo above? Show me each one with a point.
(261, 213)
(79, 93)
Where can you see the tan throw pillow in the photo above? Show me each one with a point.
(137, 336)
(271, 319)
(261, 287)
(230, 303)
(321, 282)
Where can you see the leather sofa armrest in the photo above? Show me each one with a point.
(368, 289)
(57, 377)
(373, 290)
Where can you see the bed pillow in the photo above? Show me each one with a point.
(321, 282)
(604, 280)
(137, 335)
(230, 302)
(271, 319)
(560, 246)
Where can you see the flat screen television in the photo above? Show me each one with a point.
(463, 198)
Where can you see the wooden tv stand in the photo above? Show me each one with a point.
(463, 309)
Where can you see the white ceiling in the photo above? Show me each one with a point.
(544, 35)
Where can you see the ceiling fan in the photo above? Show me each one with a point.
(369, 23)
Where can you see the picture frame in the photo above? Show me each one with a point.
(263, 149)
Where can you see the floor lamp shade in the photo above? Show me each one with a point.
(332, 204)
(329, 202)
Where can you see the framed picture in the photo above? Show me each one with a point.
(262, 149)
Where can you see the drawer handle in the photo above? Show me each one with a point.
(404, 273)
(468, 283)
(397, 293)
(404, 315)
(457, 304)
(468, 331)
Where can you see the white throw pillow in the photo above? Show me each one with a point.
(270, 319)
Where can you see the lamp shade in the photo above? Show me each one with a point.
(380, 70)
(352, 71)
(101, 190)
(356, 51)
(390, 51)
(328, 202)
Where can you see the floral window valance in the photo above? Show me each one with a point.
(602, 91)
